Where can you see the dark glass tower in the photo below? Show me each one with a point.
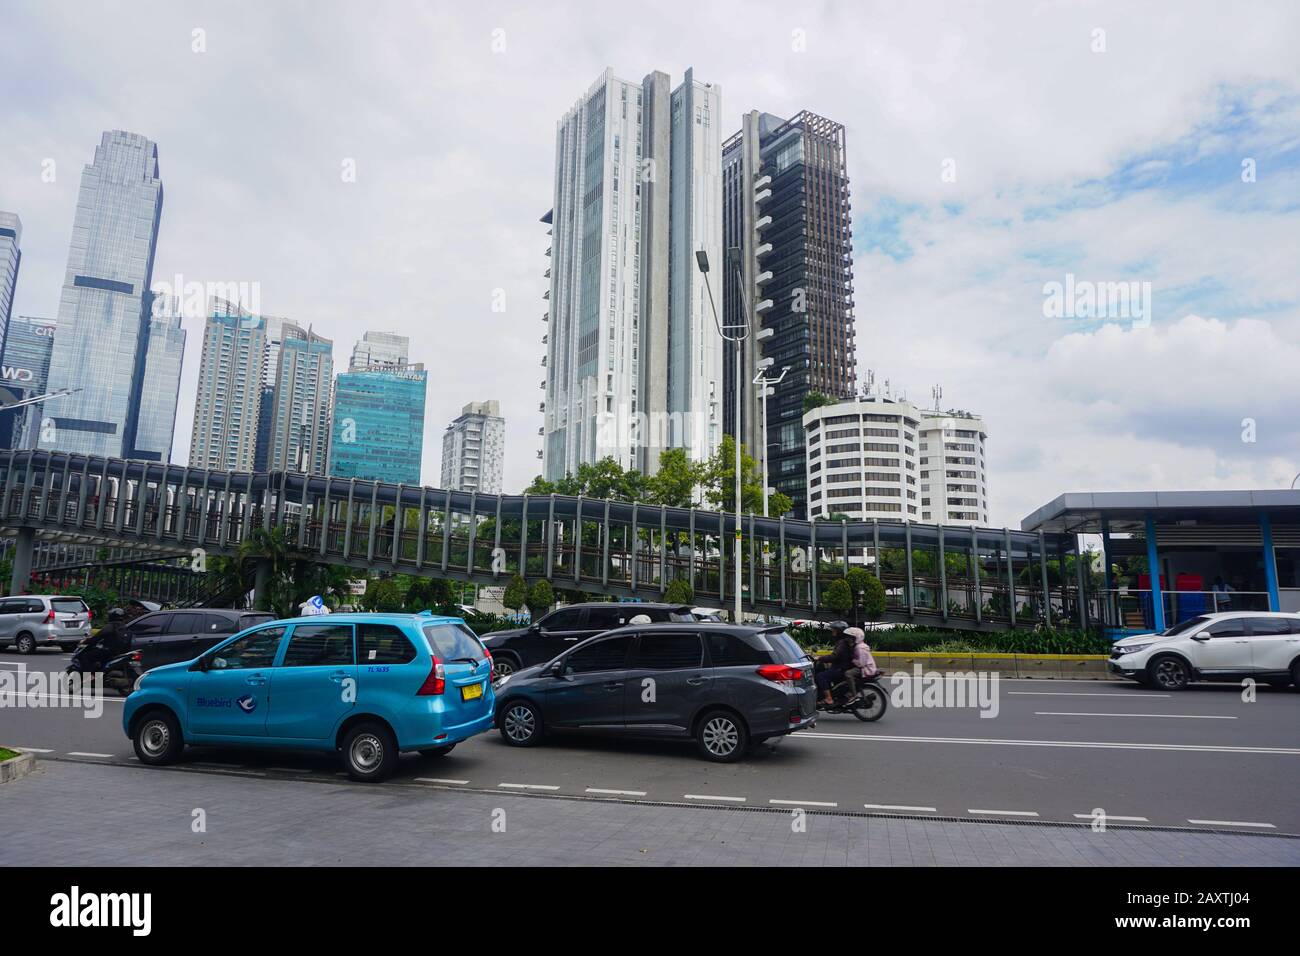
(790, 270)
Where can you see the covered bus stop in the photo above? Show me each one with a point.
(1210, 551)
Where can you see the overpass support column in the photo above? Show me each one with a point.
(1270, 563)
(1153, 569)
(22, 571)
(262, 585)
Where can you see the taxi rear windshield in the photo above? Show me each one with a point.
(450, 642)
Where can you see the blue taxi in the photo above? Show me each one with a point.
(366, 686)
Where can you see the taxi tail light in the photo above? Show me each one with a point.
(436, 682)
(49, 618)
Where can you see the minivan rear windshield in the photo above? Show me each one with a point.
(786, 647)
(680, 617)
(76, 606)
(450, 642)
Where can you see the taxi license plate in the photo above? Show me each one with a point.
(472, 692)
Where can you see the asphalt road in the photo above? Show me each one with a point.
(1055, 751)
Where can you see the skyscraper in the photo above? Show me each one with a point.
(160, 383)
(378, 424)
(104, 307)
(633, 359)
(25, 369)
(474, 449)
(787, 212)
(275, 326)
(300, 423)
(227, 401)
(380, 350)
(11, 257)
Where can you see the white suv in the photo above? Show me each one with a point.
(1214, 647)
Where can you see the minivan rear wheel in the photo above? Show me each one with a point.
(520, 724)
(25, 643)
(369, 752)
(722, 736)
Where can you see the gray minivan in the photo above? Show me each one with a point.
(30, 621)
(725, 686)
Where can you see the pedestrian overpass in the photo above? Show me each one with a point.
(960, 577)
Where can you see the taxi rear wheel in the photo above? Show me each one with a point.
(369, 752)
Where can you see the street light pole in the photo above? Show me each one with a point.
(736, 334)
(765, 383)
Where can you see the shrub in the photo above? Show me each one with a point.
(540, 597)
(838, 597)
(679, 591)
(515, 595)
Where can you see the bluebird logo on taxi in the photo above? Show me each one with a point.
(76, 909)
(247, 704)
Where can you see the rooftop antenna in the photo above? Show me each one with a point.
(937, 394)
(887, 392)
(870, 383)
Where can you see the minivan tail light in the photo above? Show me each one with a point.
(435, 683)
(49, 618)
(781, 673)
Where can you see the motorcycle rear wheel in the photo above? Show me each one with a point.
(871, 704)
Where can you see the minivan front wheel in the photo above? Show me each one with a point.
(25, 643)
(369, 752)
(1170, 673)
(722, 736)
(158, 739)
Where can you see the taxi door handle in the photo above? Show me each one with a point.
(339, 676)
(255, 680)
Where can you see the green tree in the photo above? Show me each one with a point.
(718, 477)
(382, 594)
(675, 482)
(429, 594)
(838, 597)
(816, 400)
(868, 593)
(515, 595)
(679, 591)
(540, 597)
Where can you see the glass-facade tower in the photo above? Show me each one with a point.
(11, 257)
(378, 425)
(160, 383)
(104, 309)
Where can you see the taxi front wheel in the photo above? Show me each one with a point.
(369, 752)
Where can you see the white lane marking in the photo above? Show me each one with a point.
(527, 786)
(33, 750)
(705, 796)
(1232, 823)
(1071, 693)
(616, 793)
(36, 695)
(1087, 744)
(82, 753)
(1005, 813)
(1108, 817)
(459, 783)
(1067, 713)
(803, 803)
(894, 806)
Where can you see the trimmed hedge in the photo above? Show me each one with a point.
(907, 639)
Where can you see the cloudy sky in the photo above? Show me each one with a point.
(993, 149)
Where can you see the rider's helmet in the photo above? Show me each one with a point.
(856, 633)
(116, 614)
(838, 626)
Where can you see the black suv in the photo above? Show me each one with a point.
(558, 631)
(727, 687)
(167, 637)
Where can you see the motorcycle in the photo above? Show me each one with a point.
(120, 672)
(868, 703)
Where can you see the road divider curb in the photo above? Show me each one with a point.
(15, 767)
(1042, 666)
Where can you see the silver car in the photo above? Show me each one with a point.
(32, 620)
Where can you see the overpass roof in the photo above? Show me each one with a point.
(1082, 512)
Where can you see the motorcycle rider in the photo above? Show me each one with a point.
(864, 665)
(837, 662)
(109, 642)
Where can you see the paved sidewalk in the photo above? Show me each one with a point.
(259, 821)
